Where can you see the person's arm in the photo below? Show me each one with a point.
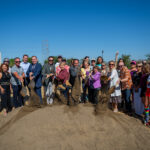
(2, 90)
(116, 59)
(28, 72)
(23, 75)
(15, 73)
(127, 73)
(83, 73)
(66, 77)
(95, 77)
(112, 75)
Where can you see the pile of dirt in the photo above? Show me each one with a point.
(71, 128)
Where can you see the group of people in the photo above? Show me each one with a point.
(132, 86)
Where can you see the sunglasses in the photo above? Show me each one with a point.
(139, 66)
(17, 61)
(111, 64)
(50, 60)
(121, 66)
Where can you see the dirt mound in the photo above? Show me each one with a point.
(71, 128)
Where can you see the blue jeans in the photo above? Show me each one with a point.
(17, 98)
(38, 92)
(126, 96)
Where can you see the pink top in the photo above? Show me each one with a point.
(58, 69)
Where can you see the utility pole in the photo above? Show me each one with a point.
(45, 50)
(102, 53)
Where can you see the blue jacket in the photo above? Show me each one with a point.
(37, 73)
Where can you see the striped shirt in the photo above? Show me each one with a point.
(125, 73)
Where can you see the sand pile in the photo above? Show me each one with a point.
(71, 128)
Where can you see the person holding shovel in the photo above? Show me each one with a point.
(16, 80)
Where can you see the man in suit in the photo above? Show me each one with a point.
(35, 73)
(48, 71)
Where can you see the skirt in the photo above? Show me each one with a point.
(148, 92)
(115, 99)
(138, 105)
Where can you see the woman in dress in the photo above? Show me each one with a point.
(114, 81)
(99, 62)
(136, 78)
(5, 88)
(94, 85)
(85, 71)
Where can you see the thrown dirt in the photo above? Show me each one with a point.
(71, 128)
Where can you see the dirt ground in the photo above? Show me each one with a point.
(71, 128)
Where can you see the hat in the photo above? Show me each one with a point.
(93, 59)
(6, 59)
(133, 62)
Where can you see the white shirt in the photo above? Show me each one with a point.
(25, 66)
(113, 82)
(57, 64)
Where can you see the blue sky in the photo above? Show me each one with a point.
(75, 28)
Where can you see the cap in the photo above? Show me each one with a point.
(6, 59)
(93, 59)
(133, 62)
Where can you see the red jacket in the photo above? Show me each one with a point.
(63, 76)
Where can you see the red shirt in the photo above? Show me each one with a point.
(63, 76)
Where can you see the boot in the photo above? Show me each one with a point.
(60, 86)
(68, 83)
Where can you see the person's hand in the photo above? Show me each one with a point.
(47, 76)
(31, 73)
(90, 75)
(11, 90)
(118, 82)
(2, 90)
(21, 79)
(31, 78)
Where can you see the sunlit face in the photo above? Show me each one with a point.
(87, 59)
(25, 59)
(111, 65)
(99, 60)
(34, 60)
(121, 65)
(103, 66)
(76, 63)
(64, 62)
(50, 60)
(59, 60)
(139, 67)
(133, 66)
(4, 68)
(93, 63)
(17, 62)
(86, 65)
(62, 66)
(95, 70)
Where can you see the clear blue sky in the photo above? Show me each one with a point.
(75, 28)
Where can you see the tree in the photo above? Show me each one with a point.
(148, 57)
(12, 62)
(126, 60)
